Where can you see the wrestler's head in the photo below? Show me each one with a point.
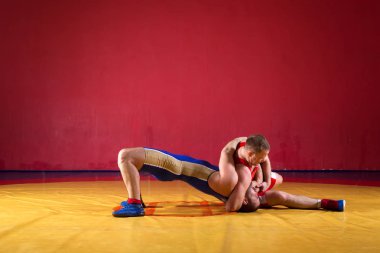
(251, 201)
(257, 148)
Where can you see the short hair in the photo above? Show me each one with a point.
(257, 143)
(253, 201)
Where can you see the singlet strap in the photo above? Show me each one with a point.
(239, 160)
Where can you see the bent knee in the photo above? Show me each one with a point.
(133, 156)
(279, 179)
(124, 155)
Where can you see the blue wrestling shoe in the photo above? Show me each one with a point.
(341, 205)
(129, 210)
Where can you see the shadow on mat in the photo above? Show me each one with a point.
(184, 208)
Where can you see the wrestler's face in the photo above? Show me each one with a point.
(251, 201)
(250, 196)
(257, 158)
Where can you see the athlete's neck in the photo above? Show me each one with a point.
(242, 153)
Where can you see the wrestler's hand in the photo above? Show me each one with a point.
(256, 186)
(263, 186)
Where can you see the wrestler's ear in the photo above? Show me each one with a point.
(245, 201)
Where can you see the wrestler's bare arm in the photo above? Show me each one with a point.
(259, 175)
(266, 170)
(258, 179)
(235, 200)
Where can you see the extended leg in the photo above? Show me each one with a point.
(272, 198)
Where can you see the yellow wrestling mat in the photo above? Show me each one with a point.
(76, 217)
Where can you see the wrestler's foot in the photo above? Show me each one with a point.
(129, 210)
(333, 205)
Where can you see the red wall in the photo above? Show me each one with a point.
(82, 79)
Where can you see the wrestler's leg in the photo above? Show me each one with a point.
(276, 179)
(272, 198)
(130, 162)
